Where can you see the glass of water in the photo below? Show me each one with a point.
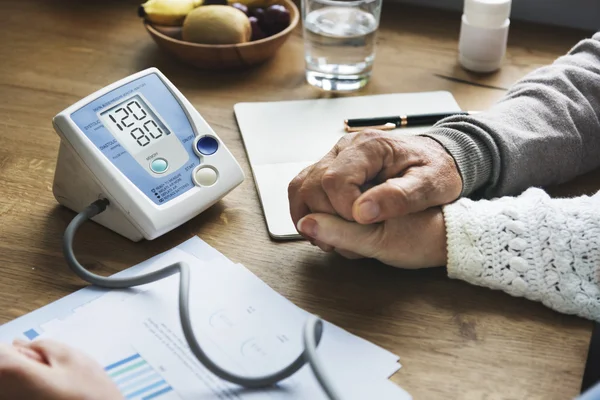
(339, 42)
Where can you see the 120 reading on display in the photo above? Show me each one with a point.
(134, 124)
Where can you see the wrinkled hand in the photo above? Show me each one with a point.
(49, 370)
(412, 241)
(406, 174)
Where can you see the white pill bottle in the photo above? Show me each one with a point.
(483, 34)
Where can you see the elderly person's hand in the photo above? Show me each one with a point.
(50, 370)
(374, 176)
(413, 241)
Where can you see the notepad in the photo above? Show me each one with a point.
(283, 138)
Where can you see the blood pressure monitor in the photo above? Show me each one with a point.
(140, 144)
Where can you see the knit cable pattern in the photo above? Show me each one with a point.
(530, 246)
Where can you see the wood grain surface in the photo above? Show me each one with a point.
(455, 341)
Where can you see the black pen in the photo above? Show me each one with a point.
(397, 121)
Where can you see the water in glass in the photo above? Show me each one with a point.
(339, 47)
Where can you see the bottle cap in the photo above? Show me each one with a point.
(487, 13)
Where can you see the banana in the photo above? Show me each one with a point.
(167, 12)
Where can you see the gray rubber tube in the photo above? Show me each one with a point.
(312, 330)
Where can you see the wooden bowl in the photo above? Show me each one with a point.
(229, 56)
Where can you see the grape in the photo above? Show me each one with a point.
(214, 2)
(259, 14)
(240, 7)
(277, 18)
(257, 32)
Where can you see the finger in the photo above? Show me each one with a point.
(298, 198)
(325, 247)
(407, 194)
(305, 193)
(356, 166)
(52, 351)
(31, 354)
(310, 198)
(23, 348)
(341, 234)
(298, 207)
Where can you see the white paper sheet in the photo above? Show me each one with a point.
(243, 324)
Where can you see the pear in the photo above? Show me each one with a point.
(216, 24)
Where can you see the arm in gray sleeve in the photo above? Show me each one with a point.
(546, 130)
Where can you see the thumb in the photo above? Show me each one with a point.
(340, 233)
(394, 198)
(53, 352)
(23, 347)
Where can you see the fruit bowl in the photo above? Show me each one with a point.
(223, 56)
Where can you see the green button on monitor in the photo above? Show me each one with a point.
(159, 165)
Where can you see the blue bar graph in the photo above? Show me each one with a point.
(146, 389)
(159, 393)
(138, 382)
(121, 381)
(121, 362)
(136, 379)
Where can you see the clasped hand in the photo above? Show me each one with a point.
(376, 195)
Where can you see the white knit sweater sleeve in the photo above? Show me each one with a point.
(532, 246)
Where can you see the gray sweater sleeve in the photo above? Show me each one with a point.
(546, 130)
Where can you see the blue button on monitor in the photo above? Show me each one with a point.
(207, 145)
(159, 165)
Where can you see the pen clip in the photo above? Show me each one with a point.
(385, 127)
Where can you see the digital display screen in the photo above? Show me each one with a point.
(134, 124)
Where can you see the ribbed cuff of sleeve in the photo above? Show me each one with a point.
(464, 260)
(472, 157)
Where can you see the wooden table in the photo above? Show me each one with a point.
(455, 341)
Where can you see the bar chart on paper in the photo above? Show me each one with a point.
(136, 379)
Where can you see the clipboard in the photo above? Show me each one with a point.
(282, 138)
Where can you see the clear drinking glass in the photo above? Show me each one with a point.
(339, 42)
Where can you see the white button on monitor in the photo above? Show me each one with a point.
(205, 176)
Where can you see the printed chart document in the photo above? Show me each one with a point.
(241, 323)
